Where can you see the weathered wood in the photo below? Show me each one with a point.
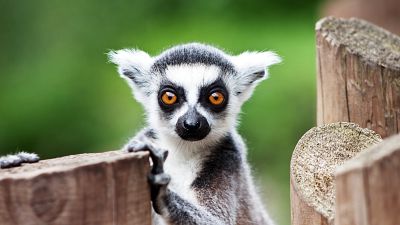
(88, 189)
(384, 13)
(368, 186)
(313, 163)
(358, 75)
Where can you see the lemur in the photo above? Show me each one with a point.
(192, 95)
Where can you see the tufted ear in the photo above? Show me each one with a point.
(134, 66)
(251, 67)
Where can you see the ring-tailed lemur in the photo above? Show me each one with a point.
(192, 95)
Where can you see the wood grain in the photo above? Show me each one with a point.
(358, 75)
(314, 160)
(88, 189)
(301, 212)
(368, 186)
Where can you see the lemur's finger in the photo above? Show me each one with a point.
(157, 157)
(10, 161)
(136, 146)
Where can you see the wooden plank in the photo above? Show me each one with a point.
(87, 189)
(368, 186)
(358, 75)
(314, 160)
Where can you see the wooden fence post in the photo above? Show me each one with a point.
(313, 163)
(88, 189)
(358, 75)
(368, 186)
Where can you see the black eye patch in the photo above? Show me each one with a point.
(171, 88)
(205, 92)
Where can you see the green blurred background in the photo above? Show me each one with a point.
(60, 96)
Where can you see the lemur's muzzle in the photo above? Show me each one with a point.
(192, 126)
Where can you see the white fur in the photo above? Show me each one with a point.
(252, 62)
(138, 63)
(132, 60)
(191, 78)
(247, 64)
(183, 167)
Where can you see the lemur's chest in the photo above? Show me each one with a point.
(183, 171)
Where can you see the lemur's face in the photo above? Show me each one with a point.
(193, 100)
(193, 92)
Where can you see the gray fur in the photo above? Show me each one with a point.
(193, 54)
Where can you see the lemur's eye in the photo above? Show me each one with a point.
(168, 98)
(216, 98)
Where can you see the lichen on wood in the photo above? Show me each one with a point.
(359, 37)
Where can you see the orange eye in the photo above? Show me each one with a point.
(216, 98)
(169, 98)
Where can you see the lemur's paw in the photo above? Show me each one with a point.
(157, 178)
(17, 159)
(157, 155)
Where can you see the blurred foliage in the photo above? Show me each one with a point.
(59, 95)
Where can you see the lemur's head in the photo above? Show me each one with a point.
(193, 92)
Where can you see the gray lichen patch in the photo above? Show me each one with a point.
(370, 42)
(316, 156)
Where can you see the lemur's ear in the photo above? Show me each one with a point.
(252, 67)
(134, 66)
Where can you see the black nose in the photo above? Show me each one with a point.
(191, 124)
